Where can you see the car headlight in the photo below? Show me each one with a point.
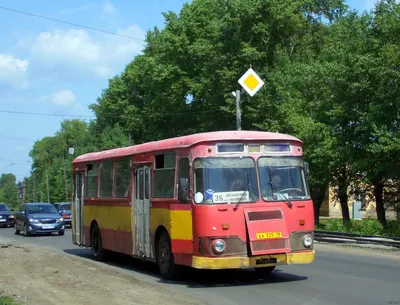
(307, 241)
(11, 216)
(218, 246)
(33, 220)
(60, 219)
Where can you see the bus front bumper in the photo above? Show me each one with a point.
(238, 262)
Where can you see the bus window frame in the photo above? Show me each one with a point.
(99, 179)
(154, 169)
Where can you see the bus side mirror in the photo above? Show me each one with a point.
(307, 170)
(183, 189)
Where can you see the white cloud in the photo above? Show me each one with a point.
(76, 52)
(108, 8)
(61, 98)
(64, 98)
(13, 71)
(19, 148)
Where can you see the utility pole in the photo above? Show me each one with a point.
(48, 192)
(34, 186)
(28, 189)
(65, 179)
(238, 111)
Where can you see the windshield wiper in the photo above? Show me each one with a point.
(244, 191)
(289, 203)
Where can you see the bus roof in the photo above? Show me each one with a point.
(185, 141)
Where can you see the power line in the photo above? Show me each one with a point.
(15, 138)
(70, 23)
(106, 116)
(46, 114)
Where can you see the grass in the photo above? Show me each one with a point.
(365, 226)
(7, 301)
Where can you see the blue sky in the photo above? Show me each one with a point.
(55, 68)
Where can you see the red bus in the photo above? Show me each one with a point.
(215, 200)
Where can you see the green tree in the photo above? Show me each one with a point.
(8, 190)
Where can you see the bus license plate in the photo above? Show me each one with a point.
(47, 226)
(266, 235)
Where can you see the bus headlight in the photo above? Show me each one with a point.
(218, 246)
(307, 241)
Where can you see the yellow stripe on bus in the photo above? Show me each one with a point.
(177, 222)
(116, 218)
(181, 224)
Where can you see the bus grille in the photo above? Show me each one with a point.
(270, 244)
(264, 215)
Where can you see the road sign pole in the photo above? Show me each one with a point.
(250, 82)
(238, 111)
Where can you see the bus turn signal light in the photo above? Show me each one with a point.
(225, 226)
(302, 222)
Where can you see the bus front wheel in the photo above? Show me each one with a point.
(165, 257)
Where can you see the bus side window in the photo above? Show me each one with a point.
(91, 180)
(106, 178)
(184, 171)
(164, 175)
(122, 177)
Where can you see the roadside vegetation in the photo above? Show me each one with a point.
(366, 226)
(8, 301)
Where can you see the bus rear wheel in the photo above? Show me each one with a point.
(97, 244)
(165, 257)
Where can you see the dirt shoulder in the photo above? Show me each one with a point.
(34, 275)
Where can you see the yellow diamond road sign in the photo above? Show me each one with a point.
(251, 82)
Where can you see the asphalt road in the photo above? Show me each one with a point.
(335, 277)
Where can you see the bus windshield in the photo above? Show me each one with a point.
(225, 180)
(282, 177)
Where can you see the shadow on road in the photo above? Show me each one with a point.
(194, 278)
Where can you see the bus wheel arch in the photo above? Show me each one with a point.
(164, 255)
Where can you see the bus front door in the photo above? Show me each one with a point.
(77, 219)
(142, 212)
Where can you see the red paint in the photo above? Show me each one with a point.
(187, 141)
(183, 259)
(170, 205)
(102, 202)
(208, 221)
(182, 246)
(263, 226)
(119, 241)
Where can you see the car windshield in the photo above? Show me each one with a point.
(3, 208)
(282, 177)
(41, 208)
(225, 180)
(65, 207)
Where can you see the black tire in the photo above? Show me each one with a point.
(16, 232)
(61, 233)
(97, 244)
(26, 230)
(265, 271)
(165, 258)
